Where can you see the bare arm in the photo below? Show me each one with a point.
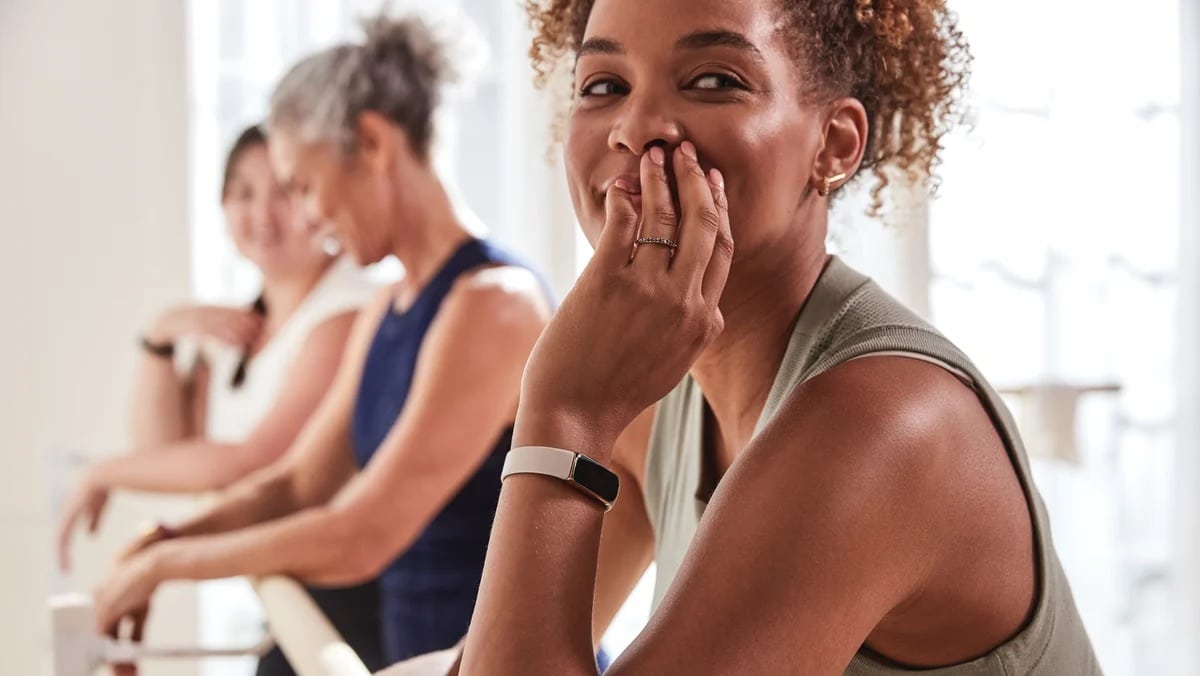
(168, 407)
(469, 370)
(627, 540)
(818, 585)
(319, 462)
(626, 550)
(164, 403)
(197, 464)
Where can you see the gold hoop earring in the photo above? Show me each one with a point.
(827, 185)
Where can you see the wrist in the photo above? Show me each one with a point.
(163, 561)
(160, 349)
(94, 479)
(558, 427)
(164, 329)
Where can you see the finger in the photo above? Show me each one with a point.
(251, 321)
(243, 337)
(243, 327)
(699, 221)
(94, 518)
(127, 551)
(138, 620)
(252, 326)
(132, 547)
(620, 226)
(659, 219)
(104, 625)
(717, 272)
(108, 624)
(228, 336)
(64, 542)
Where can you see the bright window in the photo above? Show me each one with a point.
(1053, 248)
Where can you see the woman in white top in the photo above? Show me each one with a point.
(223, 391)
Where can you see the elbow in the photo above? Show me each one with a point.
(363, 568)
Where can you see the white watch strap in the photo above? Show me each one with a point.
(553, 462)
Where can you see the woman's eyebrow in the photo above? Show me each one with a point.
(691, 41)
(718, 38)
(600, 46)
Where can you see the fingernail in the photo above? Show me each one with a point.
(688, 149)
(658, 157)
(622, 184)
(715, 177)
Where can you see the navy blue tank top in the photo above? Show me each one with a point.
(428, 593)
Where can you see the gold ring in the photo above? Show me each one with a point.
(661, 241)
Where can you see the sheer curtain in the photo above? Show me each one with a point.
(1186, 595)
(1053, 248)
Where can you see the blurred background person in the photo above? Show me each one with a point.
(397, 474)
(223, 391)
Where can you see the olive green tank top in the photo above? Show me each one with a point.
(848, 316)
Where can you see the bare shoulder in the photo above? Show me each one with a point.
(895, 412)
(505, 296)
(895, 442)
(484, 331)
(329, 335)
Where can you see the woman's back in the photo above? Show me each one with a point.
(428, 592)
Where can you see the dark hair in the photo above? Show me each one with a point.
(905, 60)
(251, 137)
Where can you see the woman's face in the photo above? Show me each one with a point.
(714, 72)
(350, 199)
(264, 226)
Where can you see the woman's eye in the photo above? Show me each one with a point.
(600, 88)
(716, 81)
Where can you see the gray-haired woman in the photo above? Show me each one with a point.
(421, 412)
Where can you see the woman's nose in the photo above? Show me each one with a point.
(644, 122)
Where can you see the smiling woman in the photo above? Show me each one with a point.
(826, 483)
(385, 481)
(861, 50)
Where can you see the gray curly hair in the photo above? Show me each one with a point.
(400, 71)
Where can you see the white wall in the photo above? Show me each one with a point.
(1187, 527)
(93, 186)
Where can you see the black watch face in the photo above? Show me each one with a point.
(597, 478)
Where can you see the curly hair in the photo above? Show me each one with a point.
(906, 61)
